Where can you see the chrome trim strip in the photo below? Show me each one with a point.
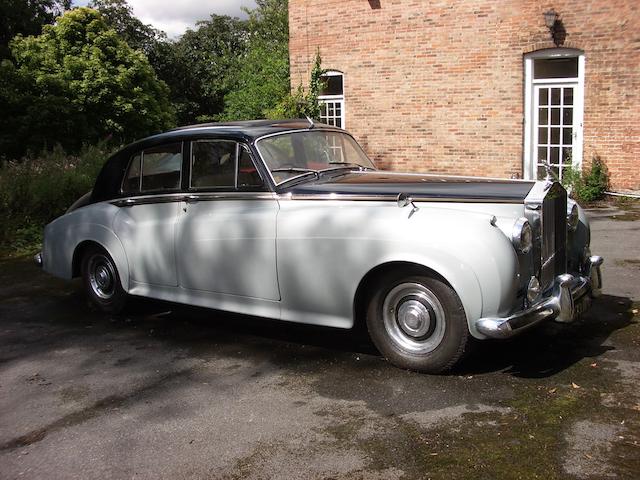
(192, 196)
(388, 198)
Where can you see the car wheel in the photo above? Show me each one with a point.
(102, 282)
(418, 322)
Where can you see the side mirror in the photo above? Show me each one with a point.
(404, 200)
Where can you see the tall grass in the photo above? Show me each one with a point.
(37, 189)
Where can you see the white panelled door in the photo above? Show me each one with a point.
(554, 127)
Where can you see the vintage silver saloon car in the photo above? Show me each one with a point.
(291, 220)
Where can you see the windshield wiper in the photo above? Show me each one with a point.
(303, 172)
(293, 169)
(349, 165)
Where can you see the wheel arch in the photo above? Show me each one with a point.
(460, 278)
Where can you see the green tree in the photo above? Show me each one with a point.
(78, 82)
(263, 80)
(202, 66)
(118, 14)
(26, 17)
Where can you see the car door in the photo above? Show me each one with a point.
(148, 214)
(226, 233)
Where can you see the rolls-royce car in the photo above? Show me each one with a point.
(291, 220)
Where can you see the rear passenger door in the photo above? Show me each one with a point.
(226, 235)
(146, 223)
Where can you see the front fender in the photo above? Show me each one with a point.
(482, 268)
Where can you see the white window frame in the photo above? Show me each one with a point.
(335, 98)
(529, 160)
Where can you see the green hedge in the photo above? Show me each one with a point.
(37, 189)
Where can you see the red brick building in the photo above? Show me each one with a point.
(479, 87)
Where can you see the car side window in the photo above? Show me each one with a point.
(154, 169)
(131, 183)
(213, 164)
(161, 167)
(248, 176)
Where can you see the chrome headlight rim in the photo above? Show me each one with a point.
(522, 236)
(573, 216)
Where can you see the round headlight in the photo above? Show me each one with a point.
(573, 216)
(522, 236)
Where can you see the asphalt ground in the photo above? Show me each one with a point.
(174, 392)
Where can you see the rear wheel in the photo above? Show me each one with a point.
(102, 282)
(418, 322)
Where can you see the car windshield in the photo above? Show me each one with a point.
(293, 154)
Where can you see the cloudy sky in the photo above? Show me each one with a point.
(174, 17)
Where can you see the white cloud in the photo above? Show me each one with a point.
(175, 17)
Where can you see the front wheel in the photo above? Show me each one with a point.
(418, 322)
(102, 282)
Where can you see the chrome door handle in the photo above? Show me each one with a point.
(127, 202)
(191, 198)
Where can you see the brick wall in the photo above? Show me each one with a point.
(438, 85)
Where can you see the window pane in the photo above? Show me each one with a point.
(213, 164)
(567, 136)
(542, 116)
(568, 96)
(161, 167)
(543, 96)
(555, 155)
(555, 116)
(247, 174)
(132, 181)
(555, 67)
(543, 135)
(555, 136)
(555, 96)
(542, 172)
(567, 116)
(332, 85)
(542, 154)
(567, 155)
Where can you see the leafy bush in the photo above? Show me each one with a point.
(302, 103)
(35, 190)
(589, 186)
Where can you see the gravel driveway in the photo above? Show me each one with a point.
(176, 392)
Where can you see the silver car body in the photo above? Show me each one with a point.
(306, 257)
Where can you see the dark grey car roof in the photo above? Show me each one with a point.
(248, 130)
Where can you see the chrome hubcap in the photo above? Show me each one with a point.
(102, 276)
(414, 318)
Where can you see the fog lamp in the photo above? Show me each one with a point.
(533, 289)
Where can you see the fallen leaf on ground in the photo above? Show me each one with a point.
(553, 390)
(574, 385)
(593, 365)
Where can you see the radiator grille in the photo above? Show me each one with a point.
(553, 235)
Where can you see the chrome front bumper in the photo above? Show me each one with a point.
(569, 297)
